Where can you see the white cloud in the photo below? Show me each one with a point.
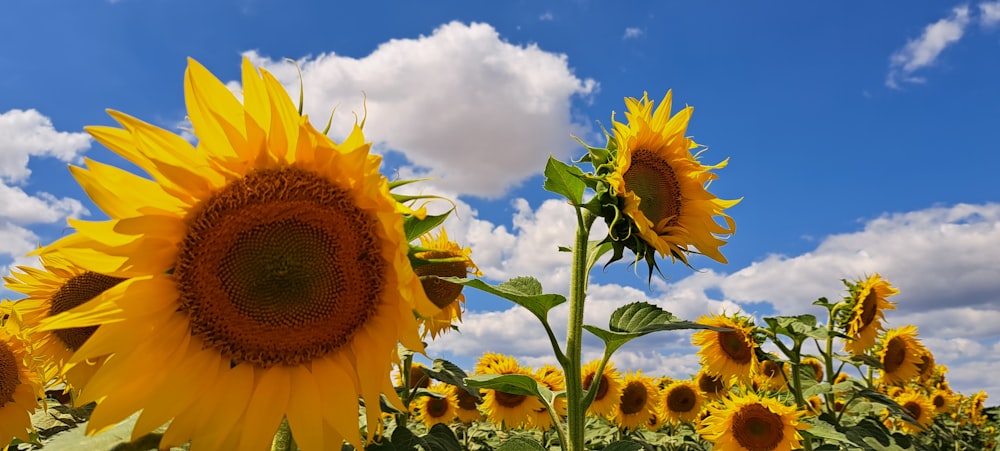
(632, 33)
(21, 208)
(989, 13)
(924, 51)
(17, 241)
(547, 17)
(477, 112)
(28, 133)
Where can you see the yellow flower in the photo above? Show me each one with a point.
(900, 355)
(468, 405)
(505, 409)
(944, 401)
(417, 377)
(712, 386)
(918, 407)
(814, 365)
(868, 301)
(663, 184)
(976, 405)
(20, 382)
(609, 388)
(682, 401)
(551, 378)
(926, 366)
(639, 399)
(730, 354)
(432, 410)
(773, 375)
(269, 275)
(815, 404)
(60, 286)
(450, 260)
(752, 423)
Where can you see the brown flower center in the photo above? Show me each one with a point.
(710, 384)
(436, 407)
(440, 292)
(913, 408)
(417, 378)
(938, 401)
(280, 267)
(869, 307)
(508, 400)
(77, 291)
(681, 399)
(895, 355)
(9, 378)
(734, 344)
(602, 388)
(466, 401)
(634, 398)
(756, 428)
(770, 368)
(653, 180)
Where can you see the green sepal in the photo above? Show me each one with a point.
(415, 227)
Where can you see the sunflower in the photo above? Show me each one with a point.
(639, 399)
(750, 422)
(661, 186)
(730, 354)
(505, 409)
(682, 401)
(551, 378)
(944, 401)
(446, 259)
(815, 366)
(900, 354)
(58, 287)
(609, 388)
(21, 384)
(712, 386)
(488, 362)
(868, 303)
(433, 410)
(975, 409)
(815, 404)
(926, 366)
(468, 405)
(417, 377)
(919, 408)
(268, 269)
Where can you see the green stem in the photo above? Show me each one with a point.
(576, 411)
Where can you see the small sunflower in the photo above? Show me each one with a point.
(609, 388)
(900, 355)
(868, 305)
(58, 287)
(975, 409)
(772, 375)
(552, 378)
(815, 404)
(488, 362)
(944, 401)
(682, 401)
(445, 259)
(926, 366)
(468, 405)
(752, 423)
(21, 384)
(712, 386)
(730, 354)
(269, 274)
(815, 366)
(417, 377)
(918, 407)
(433, 410)
(505, 409)
(639, 399)
(660, 186)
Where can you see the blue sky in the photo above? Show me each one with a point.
(862, 137)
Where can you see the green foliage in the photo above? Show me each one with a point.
(636, 319)
(565, 180)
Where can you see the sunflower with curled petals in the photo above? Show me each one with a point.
(57, 287)
(654, 193)
(443, 258)
(21, 384)
(268, 273)
(551, 378)
(901, 353)
(750, 422)
(728, 354)
(867, 303)
(920, 408)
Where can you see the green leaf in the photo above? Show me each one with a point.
(563, 179)
(824, 430)
(515, 384)
(817, 389)
(526, 285)
(415, 227)
(520, 444)
(442, 438)
(537, 303)
(623, 445)
(634, 320)
(449, 373)
(792, 326)
(403, 438)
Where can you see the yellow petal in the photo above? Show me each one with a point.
(305, 413)
(266, 408)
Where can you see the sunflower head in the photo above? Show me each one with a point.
(944, 401)
(439, 409)
(901, 353)
(711, 385)
(731, 353)
(651, 189)
(417, 378)
(440, 257)
(682, 401)
(21, 384)
(468, 405)
(508, 410)
(772, 375)
(750, 422)
(609, 388)
(864, 312)
(550, 377)
(815, 366)
(918, 407)
(638, 402)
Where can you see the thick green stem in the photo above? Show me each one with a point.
(576, 414)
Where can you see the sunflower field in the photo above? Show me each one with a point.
(265, 287)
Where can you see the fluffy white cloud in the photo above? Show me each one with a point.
(462, 104)
(632, 33)
(21, 208)
(28, 133)
(924, 51)
(989, 13)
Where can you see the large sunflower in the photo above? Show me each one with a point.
(446, 259)
(901, 353)
(662, 185)
(269, 274)
(868, 305)
(729, 354)
(433, 410)
(639, 399)
(21, 383)
(751, 422)
(58, 287)
(682, 401)
(609, 388)
(505, 409)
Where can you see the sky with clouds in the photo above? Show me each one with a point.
(863, 138)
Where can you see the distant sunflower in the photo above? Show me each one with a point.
(926, 366)
(918, 407)
(58, 287)
(639, 399)
(21, 384)
(900, 354)
(661, 186)
(269, 274)
(505, 409)
(682, 401)
(868, 305)
(753, 423)
(488, 362)
(944, 401)
(815, 404)
(434, 410)
(712, 386)
(815, 366)
(975, 408)
(448, 259)
(551, 378)
(730, 354)
(772, 375)
(417, 377)
(468, 405)
(609, 388)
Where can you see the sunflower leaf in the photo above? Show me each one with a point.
(823, 430)
(515, 384)
(637, 319)
(624, 445)
(520, 444)
(523, 293)
(563, 179)
(441, 437)
(450, 373)
(415, 227)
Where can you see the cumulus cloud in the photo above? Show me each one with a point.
(28, 133)
(632, 33)
(924, 51)
(463, 105)
(989, 14)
